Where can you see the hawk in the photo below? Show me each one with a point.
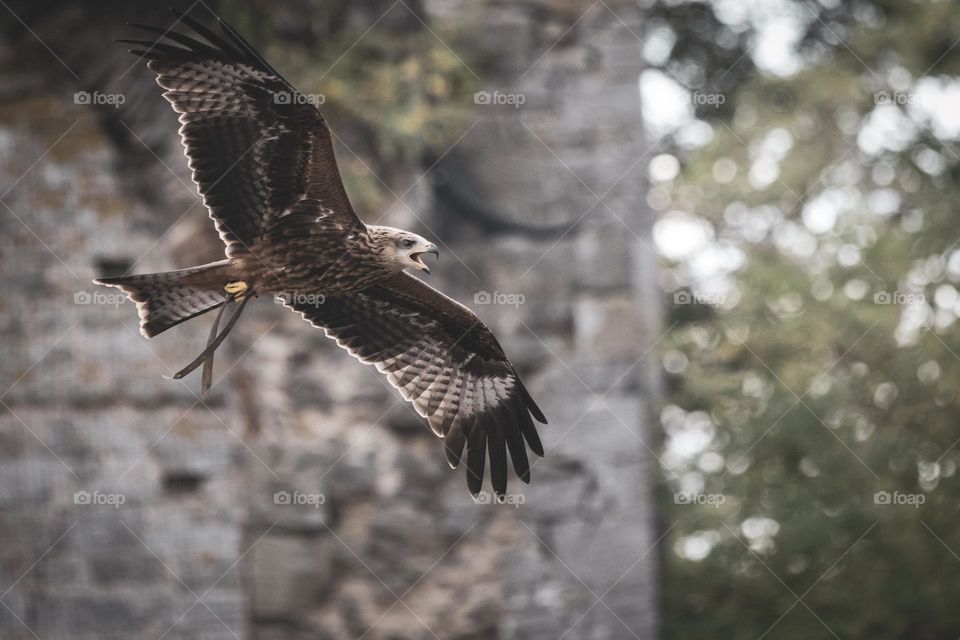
(262, 158)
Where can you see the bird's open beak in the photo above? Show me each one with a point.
(417, 257)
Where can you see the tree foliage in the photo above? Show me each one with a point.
(811, 432)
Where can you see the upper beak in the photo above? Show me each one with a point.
(435, 250)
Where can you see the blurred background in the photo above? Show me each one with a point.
(715, 237)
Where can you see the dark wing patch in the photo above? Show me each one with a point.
(254, 144)
(444, 361)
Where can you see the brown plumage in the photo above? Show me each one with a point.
(263, 161)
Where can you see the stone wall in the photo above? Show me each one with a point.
(385, 541)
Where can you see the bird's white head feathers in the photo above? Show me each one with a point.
(402, 248)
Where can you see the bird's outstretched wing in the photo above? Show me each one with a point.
(255, 144)
(443, 360)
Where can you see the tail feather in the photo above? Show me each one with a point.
(166, 299)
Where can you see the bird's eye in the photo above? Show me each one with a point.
(406, 244)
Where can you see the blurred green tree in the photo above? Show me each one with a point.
(811, 426)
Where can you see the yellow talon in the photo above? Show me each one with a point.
(238, 288)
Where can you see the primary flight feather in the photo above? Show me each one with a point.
(262, 158)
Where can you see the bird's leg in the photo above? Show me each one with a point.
(206, 379)
(212, 345)
(235, 291)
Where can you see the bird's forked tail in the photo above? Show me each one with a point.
(167, 299)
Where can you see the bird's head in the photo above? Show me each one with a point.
(402, 248)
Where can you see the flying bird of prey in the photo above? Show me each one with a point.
(262, 159)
